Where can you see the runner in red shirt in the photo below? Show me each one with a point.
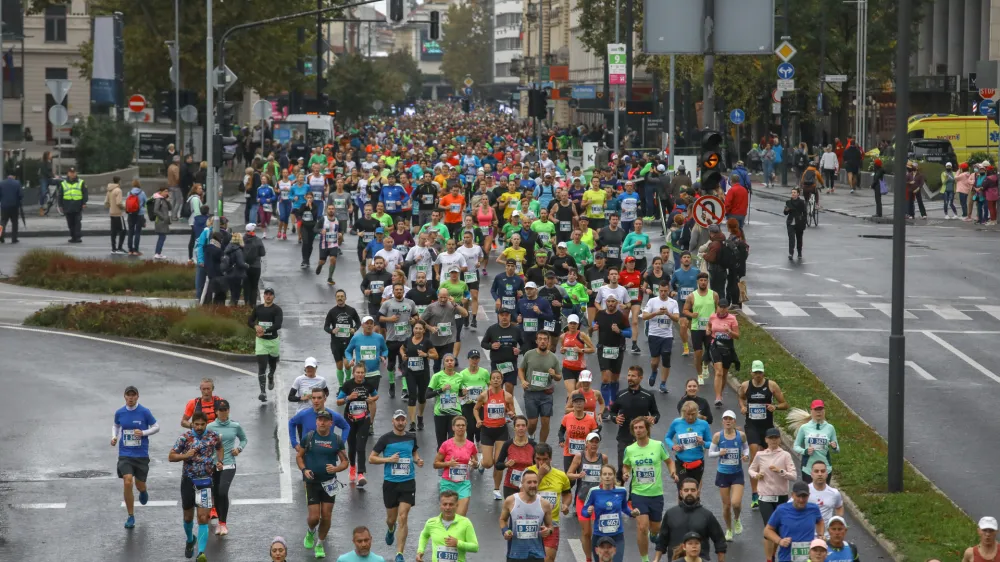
(631, 279)
(574, 429)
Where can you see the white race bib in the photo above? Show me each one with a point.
(507, 302)
(444, 329)
(609, 352)
(130, 440)
(576, 446)
(470, 276)
(400, 467)
(645, 475)
(446, 553)
(565, 226)
(415, 363)
(757, 411)
(203, 498)
(571, 353)
(506, 367)
(515, 477)
(800, 551)
(358, 408)
(539, 378)
(526, 528)
(459, 473)
(448, 401)
(369, 353)
(495, 411)
(633, 294)
(609, 523)
(531, 324)
(688, 440)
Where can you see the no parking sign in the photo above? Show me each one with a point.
(708, 210)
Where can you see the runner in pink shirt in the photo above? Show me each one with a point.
(456, 458)
(724, 330)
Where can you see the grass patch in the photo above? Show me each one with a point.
(921, 522)
(56, 270)
(218, 328)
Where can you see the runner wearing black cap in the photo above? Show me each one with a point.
(133, 425)
(266, 321)
(503, 342)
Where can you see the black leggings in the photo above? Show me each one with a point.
(394, 347)
(442, 428)
(794, 238)
(266, 365)
(118, 230)
(221, 481)
(308, 235)
(416, 384)
(191, 241)
(473, 432)
(357, 442)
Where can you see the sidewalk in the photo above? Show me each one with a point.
(861, 205)
(96, 221)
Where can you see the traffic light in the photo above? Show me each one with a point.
(223, 149)
(227, 117)
(537, 104)
(396, 10)
(711, 160)
(435, 25)
(466, 105)
(165, 106)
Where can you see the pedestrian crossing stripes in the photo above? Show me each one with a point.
(870, 310)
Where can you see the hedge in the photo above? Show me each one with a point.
(53, 269)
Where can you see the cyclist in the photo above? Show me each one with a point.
(397, 450)
(315, 457)
(133, 426)
(811, 178)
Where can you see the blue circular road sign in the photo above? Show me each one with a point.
(786, 71)
(737, 116)
(986, 107)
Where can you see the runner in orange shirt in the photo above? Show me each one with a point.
(574, 429)
(453, 205)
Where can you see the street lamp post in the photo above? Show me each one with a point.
(212, 186)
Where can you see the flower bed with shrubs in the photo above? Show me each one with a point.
(52, 269)
(217, 328)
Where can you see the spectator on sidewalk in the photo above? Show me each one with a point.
(852, 163)
(135, 209)
(737, 199)
(194, 206)
(829, 164)
(253, 250)
(174, 186)
(205, 221)
(963, 185)
(45, 177)
(234, 267)
(73, 197)
(914, 190)
(213, 269)
(115, 204)
(11, 199)
(161, 219)
(878, 176)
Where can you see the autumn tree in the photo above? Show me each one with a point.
(355, 82)
(466, 43)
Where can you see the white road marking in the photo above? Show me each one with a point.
(947, 312)
(159, 503)
(832, 280)
(992, 310)
(858, 358)
(748, 311)
(281, 412)
(886, 330)
(886, 308)
(917, 256)
(973, 298)
(841, 310)
(770, 294)
(845, 285)
(576, 547)
(861, 293)
(860, 259)
(787, 308)
(39, 506)
(810, 274)
(972, 362)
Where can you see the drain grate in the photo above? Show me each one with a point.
(84, 474)
(876, 236)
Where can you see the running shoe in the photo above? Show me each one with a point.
(497, 495)
(729, 535)
(353, 476)
(371, 428)
(663, 388)
(362, 480)
(473, 325)
(263, 397)
(270, 381)
(390, 535)
(718, 403)
(413, 427)
(331, 282)
(406, 394)
(189, 549)
(392, 390)
(319, 551)
(635, 349)
(738, 526)
(701, 380)
(223, 529)
(202, 557)
(319, 268)
(310, 540)
(652, 379)
(755, 501)
(130, 522)
(213, 514)
(143, 497)
(420, 423)
(400, 557)
(687, 351)
(704, 370)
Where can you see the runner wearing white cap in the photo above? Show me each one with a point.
(593, 401)
(574, 345)
(730, 447)
(300, 392)
(986, 550)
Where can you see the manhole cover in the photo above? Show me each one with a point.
(84, 474)
(876, 236)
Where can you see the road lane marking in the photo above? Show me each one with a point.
(748, 311)
(992, 310)
(860, 259)
(281, 412)
(787, 308)
(832, 280)
(973, 298)
(972, 362)
(841, 310)
(576, 547)
(38, 505)
(861, 293)
(886, 308)
(886, 330)
(847, 286)
(810, 274)
(947, 312)
(158, 503)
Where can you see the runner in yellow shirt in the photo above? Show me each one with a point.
(554, 487)
(593, 204)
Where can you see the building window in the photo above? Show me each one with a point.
(14, 89)
(57, 74)
(512, 19)
(508, 44)
(502, 70)
(55, 23)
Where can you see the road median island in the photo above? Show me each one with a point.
(56, 270)
(921, 523)
(215, 328)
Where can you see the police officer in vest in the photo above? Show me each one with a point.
(72, 199)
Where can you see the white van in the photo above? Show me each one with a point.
(319, 129)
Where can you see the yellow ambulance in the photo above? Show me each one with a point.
(967, 133)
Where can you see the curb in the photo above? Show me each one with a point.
(61, 232)
(168, 346)
(788, 440)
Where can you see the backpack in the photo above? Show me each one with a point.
(729, 254)
(742, 251)
(132, 203)
(150, 205)
(226, 265)
(809, 178)
(800, 160)
(186, 210)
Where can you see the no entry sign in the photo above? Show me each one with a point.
(136, 103)
(708, 210)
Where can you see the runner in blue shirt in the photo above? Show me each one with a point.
(362, 552)
(369, 348)
(628, 202)
(397, 450)
(134, 424)
(688, 437)
(794, 525)
(607, 505)
(304, 421)
(683, 282)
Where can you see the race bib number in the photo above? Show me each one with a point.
(769, 499)
(368, 237)
(415, 363)
(544, 237)
(390, 206)
(459, 473)
(473, 392)
(565, 226)
(284, 195)
(688, 440)
(817, 441)
(633, 294)
(549, 325)
(757, 411)
(428, 199)
(526, 528)
(539, 378)
(369, 353)
(701, 323)
(596, 284)
(446, 554)
(448, 401)
(609, 352)
(423, 268)
(684, 292)
(496, 411)
(307, 216)
(531, 324)
(515, 477)
(470, 276)
(444, 329)
(639, 252)
(505, 367)
(130, 440)
(421, 309)
(331, 238)
(455, 208)
(591, 473)
(377, 286)
(507, 302)
(518, 268)
(597, 209)
(614, 252)
(730, 457)
(576, 446)
(609, 523)
(401, 328)
(571, 353)
(552, 498)
(645, 475)
(203, 498)
(485, 230)
(400, 467)
(358, 409)
(340, 203)
(800, 551)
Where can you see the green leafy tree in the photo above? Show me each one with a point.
(355, 82)
(597, 20)
(466, 44)
(103, 145)
(396, 69)
(263, 58)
